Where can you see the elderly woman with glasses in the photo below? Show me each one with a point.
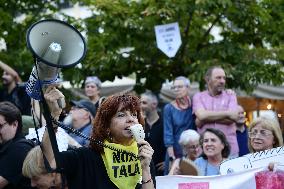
(177, 118)
(189, 140)
(264, 134)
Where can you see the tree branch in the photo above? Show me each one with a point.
(199, 45)
(186, 32)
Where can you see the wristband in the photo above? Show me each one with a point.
(145, 182)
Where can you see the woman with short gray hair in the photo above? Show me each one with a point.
(189, 140)
(92, 88)
(177, 118)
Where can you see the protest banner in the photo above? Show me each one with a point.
(253, 160)
(168, 38)
(249, 179)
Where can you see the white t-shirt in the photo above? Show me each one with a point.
(61, 137)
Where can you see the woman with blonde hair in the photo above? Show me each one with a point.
(264, 134)
(33, 168)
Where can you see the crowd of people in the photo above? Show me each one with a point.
(188, 136)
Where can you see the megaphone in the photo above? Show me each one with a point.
(54, 45)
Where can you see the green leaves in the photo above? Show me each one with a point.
(245, 28)
(121, 39)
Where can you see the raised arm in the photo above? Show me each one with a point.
(10, 71)
(51, 96)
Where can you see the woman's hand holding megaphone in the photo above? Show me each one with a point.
(55, 100)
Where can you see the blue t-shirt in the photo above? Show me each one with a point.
(205, 168)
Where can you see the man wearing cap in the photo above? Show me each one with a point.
(80, 118)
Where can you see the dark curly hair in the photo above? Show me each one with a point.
(107, 110)
(227, 148)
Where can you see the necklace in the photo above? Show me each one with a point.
(182, 106)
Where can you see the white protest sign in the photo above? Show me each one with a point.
(242, 180)
(253, 160)
(168, 38)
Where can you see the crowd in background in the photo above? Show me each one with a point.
(188, 136)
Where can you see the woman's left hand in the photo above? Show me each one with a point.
(272, 166)
(145, 153)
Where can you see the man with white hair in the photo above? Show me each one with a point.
(80, 118)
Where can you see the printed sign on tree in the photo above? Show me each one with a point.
(168, 38)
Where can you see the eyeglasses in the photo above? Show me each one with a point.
(177, 87)
(143, 102)
(193, 147)
(262, 133)
(3, 124)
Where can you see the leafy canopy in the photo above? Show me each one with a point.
(121, 39)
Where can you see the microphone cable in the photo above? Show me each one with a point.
(100, 143)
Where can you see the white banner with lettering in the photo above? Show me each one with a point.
(241, 180)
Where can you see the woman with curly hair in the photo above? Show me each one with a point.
(115, 164)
